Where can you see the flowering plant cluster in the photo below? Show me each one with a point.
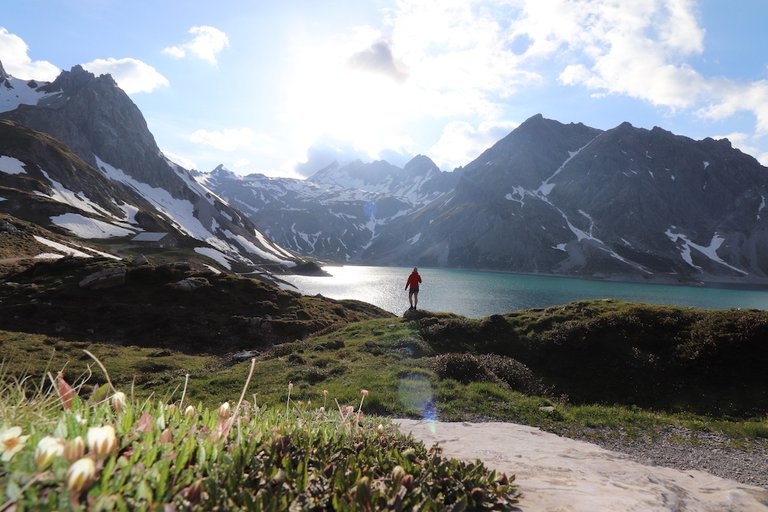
(114, 452)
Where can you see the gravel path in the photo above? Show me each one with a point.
(684, 449)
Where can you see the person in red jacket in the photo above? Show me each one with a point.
(412, 285)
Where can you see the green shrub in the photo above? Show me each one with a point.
(461, 367)
(513, 373)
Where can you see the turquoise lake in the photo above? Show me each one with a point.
(477, 294)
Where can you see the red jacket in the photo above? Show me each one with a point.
(413, 280)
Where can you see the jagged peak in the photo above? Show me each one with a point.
(3, 74)
(78, 77)
(537, 118)
(220, 170)
(421, 164)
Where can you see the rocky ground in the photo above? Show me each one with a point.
(558, 474)
(684, 449)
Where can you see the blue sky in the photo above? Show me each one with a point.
(284, 87)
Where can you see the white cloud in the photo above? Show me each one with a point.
(183, 161)
(461, 142)
(642, 50)
(242, 163)
(132, 75)
(206, 44)
(16, 61)
(224, 140)
(233, 139)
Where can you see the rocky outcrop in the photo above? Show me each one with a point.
(190, 284)
(104, 279)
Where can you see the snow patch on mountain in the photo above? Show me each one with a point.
(546, 186)
(62, 194)
(48, 256)
(761, 207)
(253, 249)
(130, 212)
(520, 192)
(61, 247)
(22, 92)
(179, 211)
(710, 251)
(10, 165)
(217, 256)
(86, 227)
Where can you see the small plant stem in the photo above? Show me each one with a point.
(106, 373)
(184, 392)
(245, 388)
(288, 402)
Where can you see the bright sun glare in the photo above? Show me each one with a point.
(329, 98)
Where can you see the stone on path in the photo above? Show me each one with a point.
(557, 474)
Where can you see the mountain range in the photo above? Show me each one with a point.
(77, 158)
(554, 198)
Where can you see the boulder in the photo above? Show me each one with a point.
(190, 284)
(139, 261)
(103, 279)
(7, 227)
(181, 265)
(239, 357)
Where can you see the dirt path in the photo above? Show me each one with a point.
(560, 474)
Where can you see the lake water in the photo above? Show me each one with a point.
(477, 294)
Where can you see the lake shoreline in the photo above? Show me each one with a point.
(657, 279)
(478, 293)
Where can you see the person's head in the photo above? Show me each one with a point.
(415, 269)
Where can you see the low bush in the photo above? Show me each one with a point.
(513, 373)
(462, 367)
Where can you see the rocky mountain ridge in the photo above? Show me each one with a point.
(338, 212)
(110, 178)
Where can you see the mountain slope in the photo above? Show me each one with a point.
(102, 126)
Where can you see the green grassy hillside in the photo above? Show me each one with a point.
(564, 368)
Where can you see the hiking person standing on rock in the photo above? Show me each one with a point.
(412, 285)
